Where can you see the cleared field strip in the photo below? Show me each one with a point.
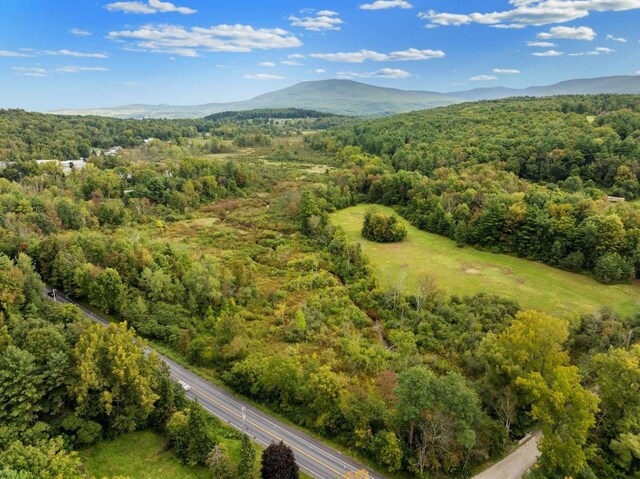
(465, 271)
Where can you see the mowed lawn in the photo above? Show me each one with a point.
(135, 455)
(466, 271)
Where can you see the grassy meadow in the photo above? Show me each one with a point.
(466, 271)
(137, 455)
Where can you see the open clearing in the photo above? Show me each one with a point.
(137, 455)
(466, 271)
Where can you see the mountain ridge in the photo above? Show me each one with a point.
(348, 97)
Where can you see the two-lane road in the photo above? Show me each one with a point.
(314, 457)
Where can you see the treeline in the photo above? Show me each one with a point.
(35, 136)
(268, 113)
(595, 138)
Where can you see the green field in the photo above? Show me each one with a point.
(466, 271)
(137, 455)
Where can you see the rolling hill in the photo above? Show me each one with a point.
(346, 97)
(343, 97)
(587, 86)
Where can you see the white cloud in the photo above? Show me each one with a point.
(30, 52)
(150, 7)
(532, 12)
(290, 63)
(263, 76)
(569, 33)
(9, 53)
(80, 32)
(548, 53)
(266, 64)
(71, 53)
(483, 78)
(411, 54)
(318, 71)
(77, 69)
(322, 20)
(31, 71)
(505, 71)
(616, 39)
(296, 56)
(383, 73)
(541, 44)
(385, 4)
(177, 40)
(595, 51)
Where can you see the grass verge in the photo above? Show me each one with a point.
(137, 455)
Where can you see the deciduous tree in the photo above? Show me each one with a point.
(278, 462)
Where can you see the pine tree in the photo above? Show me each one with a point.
(247, 464)
(199, 440)
(165, 405)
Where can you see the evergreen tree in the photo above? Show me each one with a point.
(165, 405)
(199, 440)
(247, 464)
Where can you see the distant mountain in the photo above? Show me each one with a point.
(346, 97)
(587, 86)
(343, 97)
(486, 93)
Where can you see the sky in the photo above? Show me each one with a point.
(97, 53)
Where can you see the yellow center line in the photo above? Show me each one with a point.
(235, 413)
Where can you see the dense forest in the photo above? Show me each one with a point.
(592, 138)
(523, 176)
(230, 261)
(32, 136)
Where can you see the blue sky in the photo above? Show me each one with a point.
(92, 53)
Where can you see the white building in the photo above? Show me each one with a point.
(113, 151)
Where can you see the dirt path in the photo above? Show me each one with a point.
(515, 464)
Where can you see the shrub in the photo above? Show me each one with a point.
(382, 229)
(613, 268)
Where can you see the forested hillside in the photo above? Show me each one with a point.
(28, 136)
(226, 258)
(527, 176)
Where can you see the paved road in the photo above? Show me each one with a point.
(314, 457)
(515, 464)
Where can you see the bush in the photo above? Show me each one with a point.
(382, 229)
(613, 268)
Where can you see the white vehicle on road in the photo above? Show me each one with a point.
(184, 385)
